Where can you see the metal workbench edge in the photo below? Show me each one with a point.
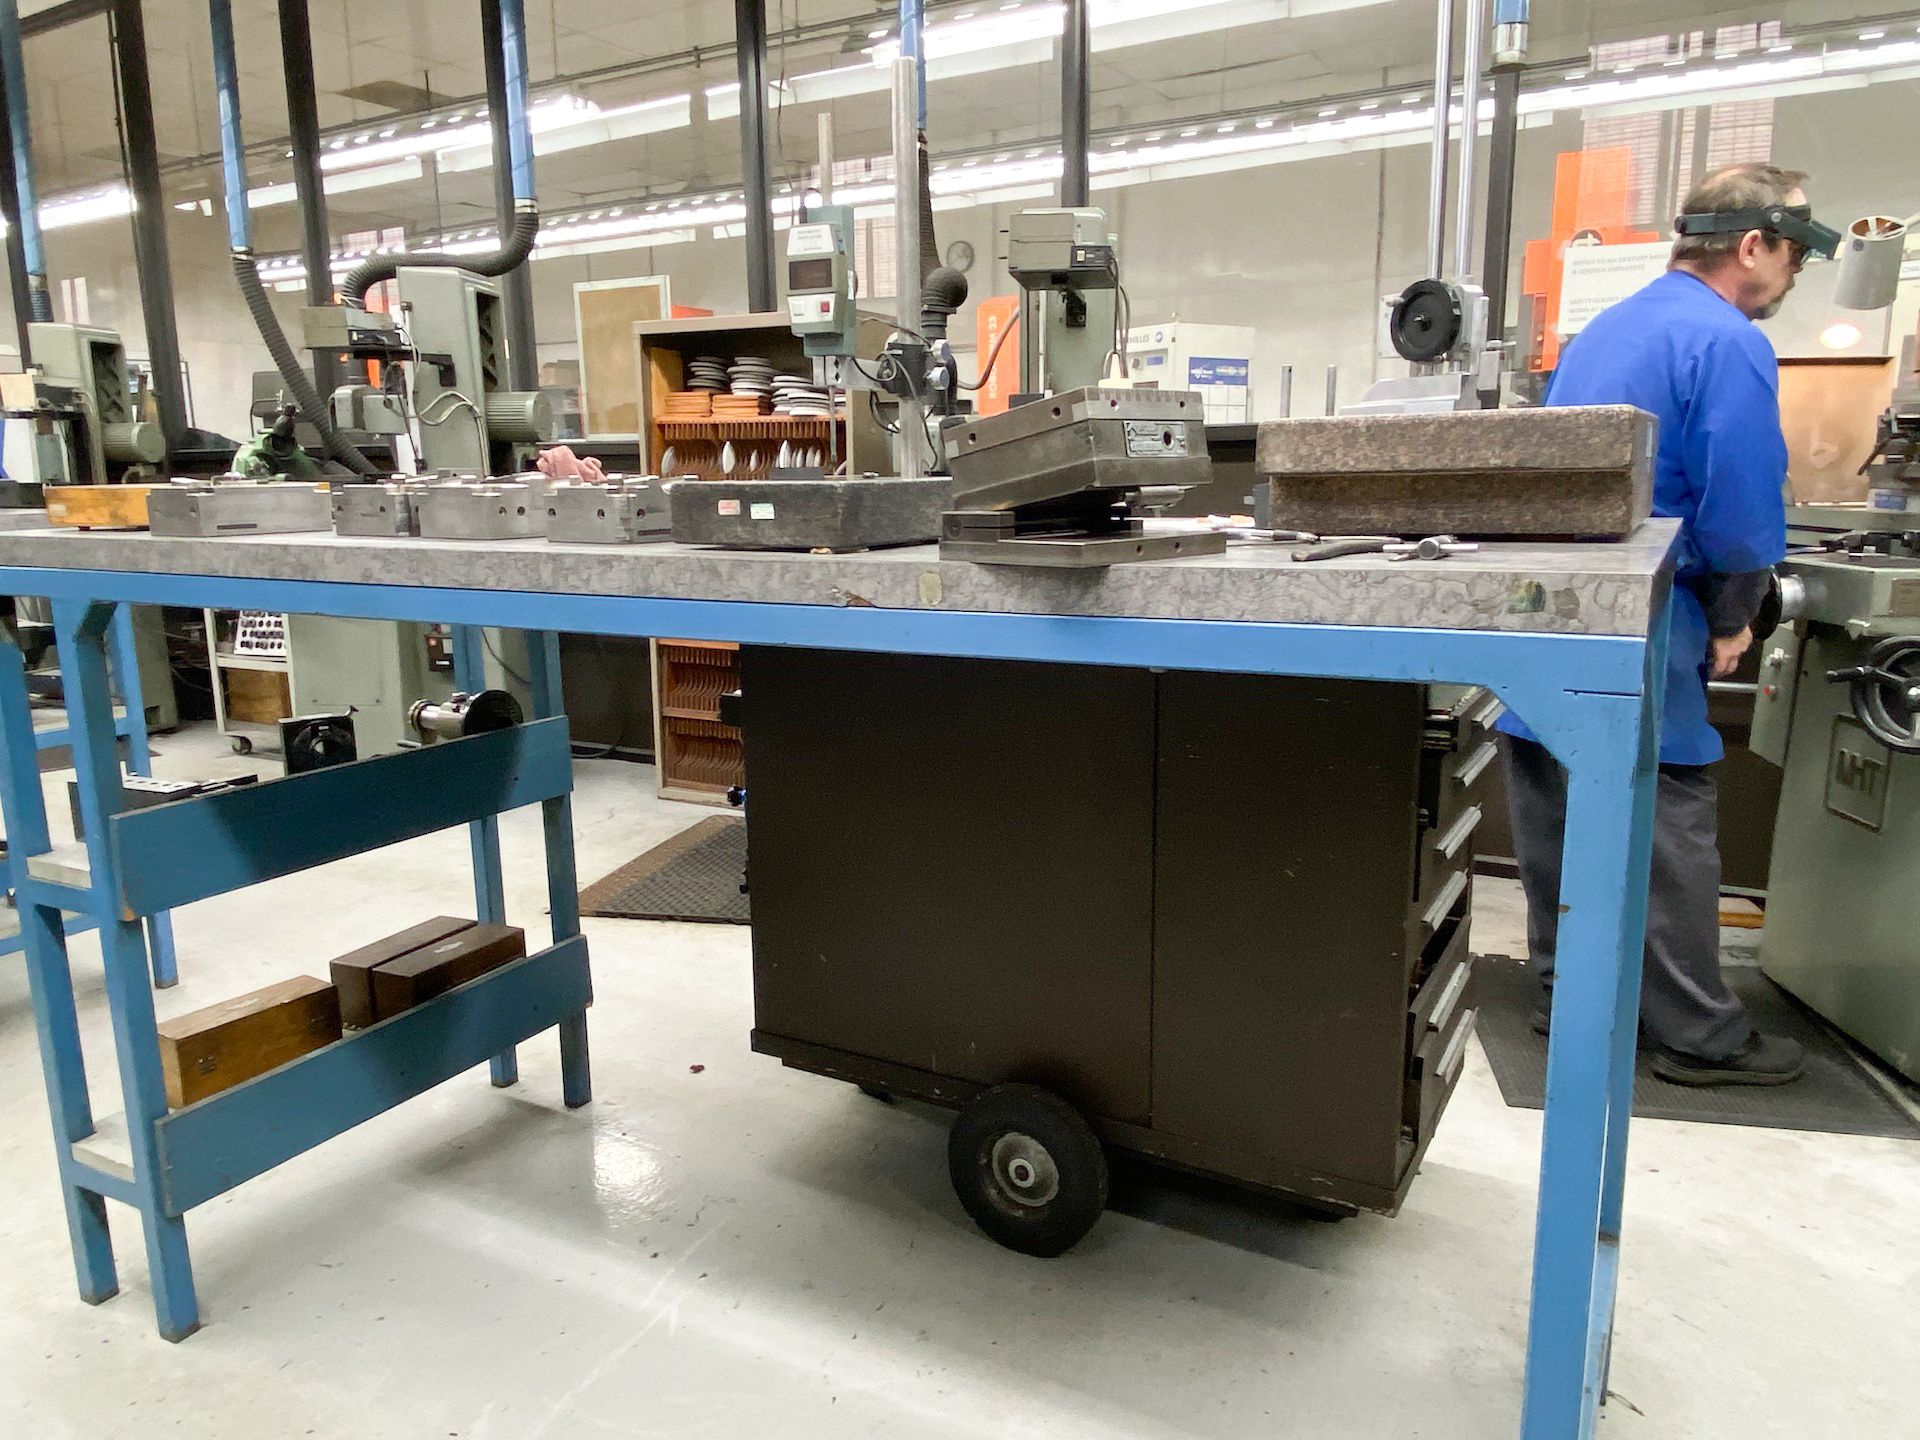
(1569, 589)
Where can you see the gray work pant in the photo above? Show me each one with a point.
(1684, 1003)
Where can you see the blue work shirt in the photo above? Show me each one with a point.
(1680, 351)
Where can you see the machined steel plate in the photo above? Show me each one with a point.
(1085, 440)
(215, 509)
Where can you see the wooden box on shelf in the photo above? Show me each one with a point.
(698, 757)
(663, 349)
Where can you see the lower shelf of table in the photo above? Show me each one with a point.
(227, 1139)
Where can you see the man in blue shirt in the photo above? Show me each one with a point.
(1685, 348)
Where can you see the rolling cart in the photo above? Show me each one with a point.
(1217, 920)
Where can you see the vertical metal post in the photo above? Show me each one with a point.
(124, 652)
(149, 220)
(303, 128)
(1475, 47)
(826, 157)
(80, 630)
(50, 979)
(516, 286)
(1286, 391)
(1498, 262)
(750, 50)
(912, 460)
(1437, 179)
(16, 251)
(1333, 389)
(563, 881)
(1076, 103)
(489, 887)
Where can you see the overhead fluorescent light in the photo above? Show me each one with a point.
(64, 211)
(433, 134)
(395, 172)
(649, 117)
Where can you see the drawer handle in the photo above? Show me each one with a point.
(1470, 772)
(1454, 1056)
(1443, 902)
(1449, 997)
(1449, 844)
(1490, 712)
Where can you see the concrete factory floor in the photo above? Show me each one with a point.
(720, 1247)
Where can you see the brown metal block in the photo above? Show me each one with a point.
(353, 972)
(1576, 470)
(435, 969)
(214, 1049)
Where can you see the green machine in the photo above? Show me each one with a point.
(1837, 707)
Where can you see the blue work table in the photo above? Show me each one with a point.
(1571, 637)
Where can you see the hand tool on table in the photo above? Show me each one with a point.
(1433, 547)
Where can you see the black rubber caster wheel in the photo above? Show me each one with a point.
(242, 745)
(1028, 1168)
(874, 1092)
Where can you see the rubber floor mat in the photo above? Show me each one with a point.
(697, 875)
(1835, 1096)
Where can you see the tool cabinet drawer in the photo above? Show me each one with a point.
(1445, 852)
(1439, 1054)
(1442, 992)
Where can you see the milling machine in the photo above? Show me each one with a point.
(448, 329)
(1838, 709)
(80, 427)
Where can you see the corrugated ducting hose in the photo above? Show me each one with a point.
(292, 373)
(376, 268)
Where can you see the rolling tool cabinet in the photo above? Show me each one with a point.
(1224, 917)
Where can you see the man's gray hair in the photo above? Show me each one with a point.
(1745, 186)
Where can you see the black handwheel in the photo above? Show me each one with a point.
(1028, 1168)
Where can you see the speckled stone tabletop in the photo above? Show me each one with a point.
(1572, 589)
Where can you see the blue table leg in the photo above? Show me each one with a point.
(50, 980)
(81, 629)
(563, 881)
(489, 889)
(1610, 746)
(126, 669)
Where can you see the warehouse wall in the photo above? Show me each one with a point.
(1300, 251)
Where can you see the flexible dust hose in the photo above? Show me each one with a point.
(930, 260)
(299, 384)
(519, 244)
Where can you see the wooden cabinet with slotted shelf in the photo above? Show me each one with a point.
(698, 756)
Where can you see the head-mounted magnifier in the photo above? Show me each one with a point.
(1792, 223)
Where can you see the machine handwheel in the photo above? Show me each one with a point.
(1886, 693)
(1028, 1168)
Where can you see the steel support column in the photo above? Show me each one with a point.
(750, 46)
(1076, 104)
(516, 286)
(149, 220)
(16, 249)
(1499, 243)
(303, 127)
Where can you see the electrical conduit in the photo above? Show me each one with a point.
(293, 374)
(13, 69)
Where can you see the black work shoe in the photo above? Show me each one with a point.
(1763, 1060)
